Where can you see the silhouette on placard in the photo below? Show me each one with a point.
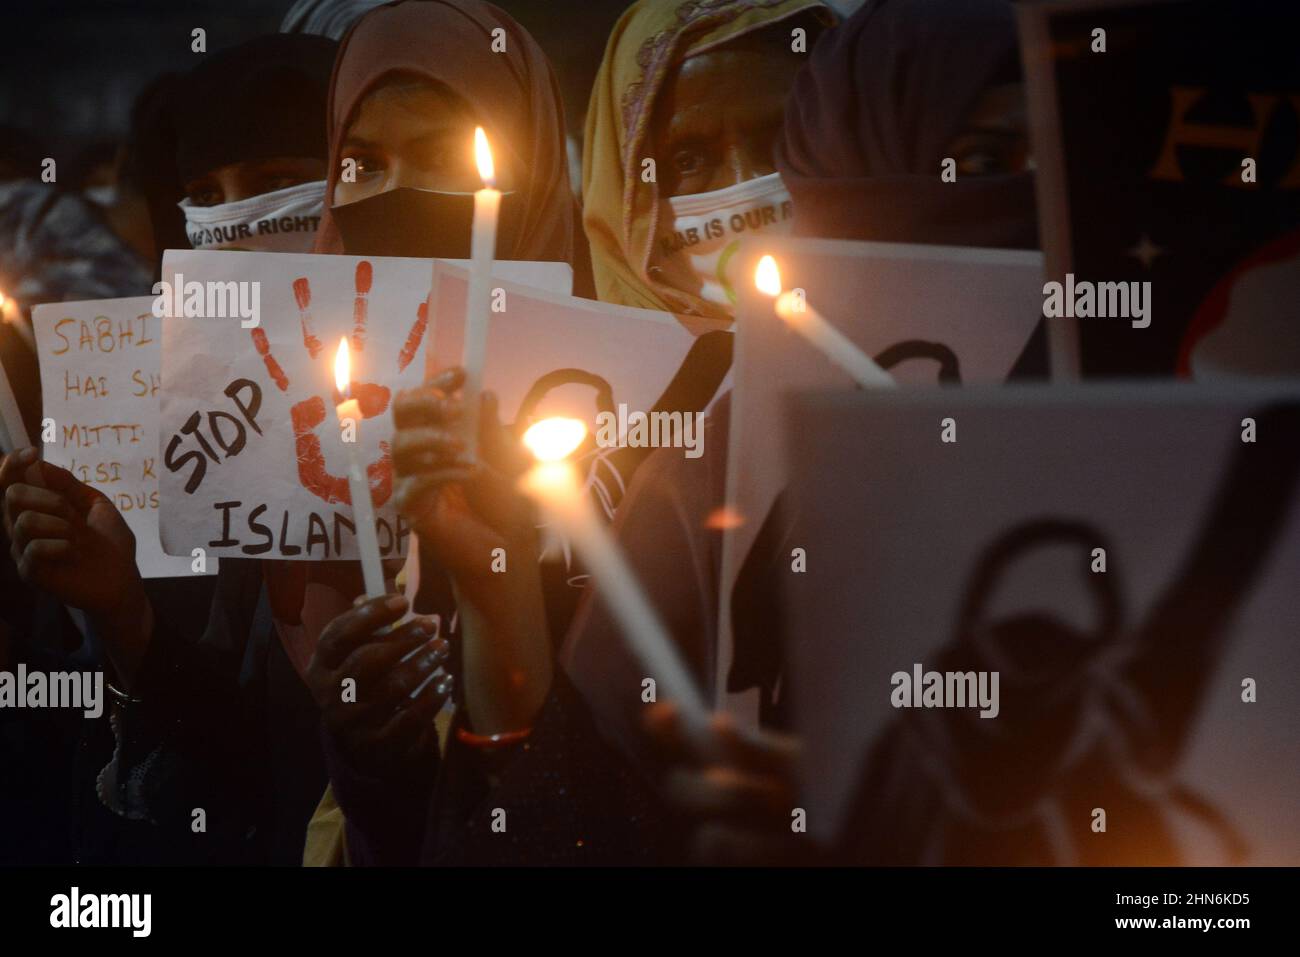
(1087, 720)
(558, 378)
(758, 621)
(899, 352)
(601, 477)
(610, 469)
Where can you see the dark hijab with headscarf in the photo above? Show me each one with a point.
(871, 114)
(513, 95)
(258, 100)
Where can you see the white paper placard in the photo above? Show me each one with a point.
(252, 464)
(561, 349)
(100, 380)
(974, 309)
(1122, 674)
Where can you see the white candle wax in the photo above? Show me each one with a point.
(1063, 350)
(363, 507)
(555, 485)
(13, 433)
(15, 322)
(487, 208)
(809, 323)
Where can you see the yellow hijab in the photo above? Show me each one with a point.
(620, 211)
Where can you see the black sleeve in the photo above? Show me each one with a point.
(563, 796)
(1186, 629)
(194, 741)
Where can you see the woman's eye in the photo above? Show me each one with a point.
(981, 163)
(369, 165)
(205, 196)
(688, 162)
(275, 183)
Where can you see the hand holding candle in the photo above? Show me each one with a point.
(805, 320)
(483, 243)
(363, 507)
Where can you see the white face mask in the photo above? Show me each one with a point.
(101, 195)
(281, 222)
(696, 249)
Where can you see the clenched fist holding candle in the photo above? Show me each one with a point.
(465, 511)
(472, 510)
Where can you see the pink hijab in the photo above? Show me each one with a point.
(513, 94)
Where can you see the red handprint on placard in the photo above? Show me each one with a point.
(309, 414)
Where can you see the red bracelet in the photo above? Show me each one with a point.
(490, 742)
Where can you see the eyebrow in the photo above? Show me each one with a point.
(426, 138)
(358, 141)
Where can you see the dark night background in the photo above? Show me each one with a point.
(72, 68)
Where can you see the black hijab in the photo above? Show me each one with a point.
(258, 100)
(869, 117)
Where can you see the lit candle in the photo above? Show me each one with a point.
(363, 507)
(13, 433)
(805, 320)
(483, 245)
(555, 485)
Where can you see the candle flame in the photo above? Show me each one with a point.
(767, 277)
(553, 439)
(483, 157)
(342, 367)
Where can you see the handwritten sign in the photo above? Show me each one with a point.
(101, 372)
(251, 458)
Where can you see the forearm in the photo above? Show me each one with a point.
(194, 702)
(126, 630)
(507, 663)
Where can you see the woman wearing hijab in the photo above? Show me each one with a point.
(867, 125)
(868, 122)
(678, 88)
(250, 150)
(412, 81)
(678, 161)
(209, 712)
(890, 94)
